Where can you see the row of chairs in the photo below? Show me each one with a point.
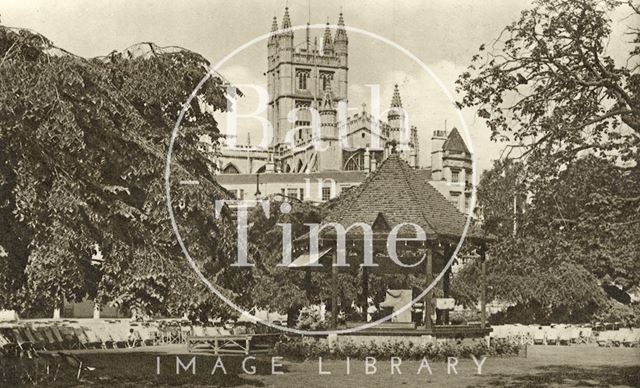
(47, 336)
(544, 335)
(38, 367)
(622, 337)
(566, 335)
(56, 337)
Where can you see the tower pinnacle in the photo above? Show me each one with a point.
(396, 102)
(286, 21)
(327, 41)
(341, 33)
(274, 29)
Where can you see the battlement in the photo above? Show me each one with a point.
(314, 57)
(440, 133)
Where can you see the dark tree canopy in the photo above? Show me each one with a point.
(84, 144)
(549, 85)
(575, 252)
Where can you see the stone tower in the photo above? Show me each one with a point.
(298, 76)
(456, 159)
(331, 156)
(437, 141)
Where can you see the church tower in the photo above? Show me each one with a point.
(298, 75)
(331, 156)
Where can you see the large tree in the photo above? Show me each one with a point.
(84, 143)
(549, 85)
(549, 82)
(574, 253)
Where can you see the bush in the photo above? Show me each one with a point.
(309, 319)
(312, 348)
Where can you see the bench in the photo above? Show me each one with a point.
(229, 343)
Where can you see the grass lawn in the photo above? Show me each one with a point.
(545, 366)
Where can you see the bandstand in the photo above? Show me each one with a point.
(390, 198)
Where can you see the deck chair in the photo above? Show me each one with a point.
(552, 336)
(52, 363)
(37, 342)
(198, 331)
(83, 341)
(603, 339)
(149, 335)
(185, 330)
(39, 336)
(105, 337)
(51, 339)
(69, 337)
(617, 337)
(585, 336)
(538, 336)
(564, 336)
(57, 335)
(25, 346)
(118, 335)
(74, 362)
(93, 339)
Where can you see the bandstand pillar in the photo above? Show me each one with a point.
(428, 298)
(365, 294)
(334, 293)
(446, 281)
(483, 288)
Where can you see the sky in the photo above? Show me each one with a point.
(444, 35)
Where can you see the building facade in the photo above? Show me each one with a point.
(309, 79)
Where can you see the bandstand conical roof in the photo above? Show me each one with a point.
(394, 194)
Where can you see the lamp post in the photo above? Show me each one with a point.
(258, 193)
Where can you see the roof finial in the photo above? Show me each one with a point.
(274, 25)
(286, 20)
(396, 102)
(327, 41)
(341, 33)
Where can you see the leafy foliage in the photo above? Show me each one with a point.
(578, 233)
(82, 163)
(548, 83)
(308, 348)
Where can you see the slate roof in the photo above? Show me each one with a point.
(399, 194)
(455, 142)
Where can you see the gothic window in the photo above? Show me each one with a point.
(455, 176)
(326, 193)
(455, 199)
(230, 169)
(326, 77)
(303, 116)
(302, 76)
(355, 161)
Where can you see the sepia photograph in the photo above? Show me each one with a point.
(287, 193)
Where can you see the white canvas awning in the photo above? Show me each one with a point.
(308, 261)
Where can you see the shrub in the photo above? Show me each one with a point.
(310, 319)
(310, 348)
